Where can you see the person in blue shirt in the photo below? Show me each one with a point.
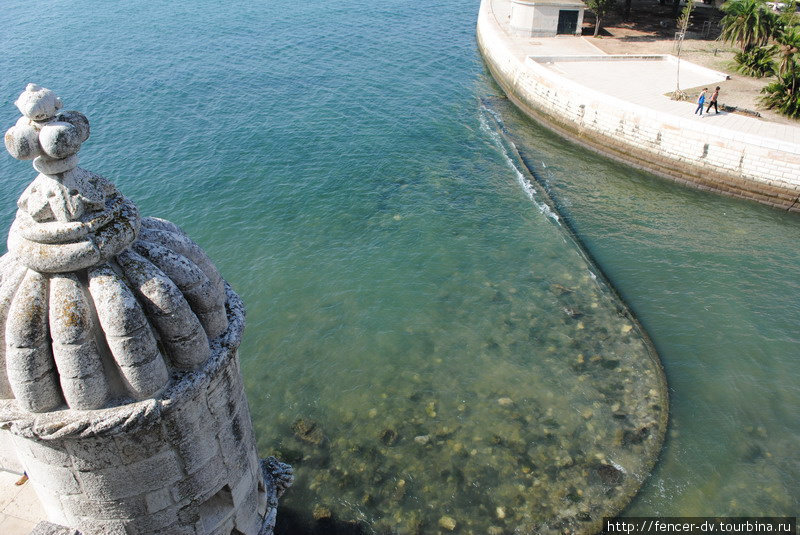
(700, 101)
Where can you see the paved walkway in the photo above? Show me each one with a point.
(635, 83)
(20, 510)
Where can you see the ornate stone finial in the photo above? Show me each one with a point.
(65, 220)
(119, 373)
(98, 305)
(62, 192)
(38, 103)
(49, 138)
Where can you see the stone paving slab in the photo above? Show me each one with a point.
(640, 78)
(20, 509)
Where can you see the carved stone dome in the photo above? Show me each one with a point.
(98, 306)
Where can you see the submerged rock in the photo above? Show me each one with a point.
(448, 523)
(321, 512)
(609, 474)
(422, 439)
(388, 436)
(308, 431)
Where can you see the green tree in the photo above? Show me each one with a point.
(788, 16)
(788, 50)
(600, 8)
(747, 23)
(683, 25)
(784, 93)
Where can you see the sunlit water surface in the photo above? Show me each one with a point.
(426, 342)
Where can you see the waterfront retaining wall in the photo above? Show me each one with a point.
(704, 156)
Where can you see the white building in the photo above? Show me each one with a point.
(546, 18)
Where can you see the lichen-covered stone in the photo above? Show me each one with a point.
(29, 360)
(13, 274)
(22, 141)
(38, 103)
(78, 120)
(80, 368)
(59, 139)
(167, 234)
(179, 328)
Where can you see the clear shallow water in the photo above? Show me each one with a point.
(338, 164)
(714, 281)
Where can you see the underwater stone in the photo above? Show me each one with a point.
(308, 431)
(447, 522)
(388, 436)
(321, 512)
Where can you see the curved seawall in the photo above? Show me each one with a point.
(684, 149)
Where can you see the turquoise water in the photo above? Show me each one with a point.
(343, 165)
(715, 282)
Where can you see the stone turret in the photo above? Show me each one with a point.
(119, 374)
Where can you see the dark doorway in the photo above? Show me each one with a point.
(567, 21)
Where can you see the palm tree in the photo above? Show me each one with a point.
(784, 92)
(788, 50)
(783, 95)
(748, 23)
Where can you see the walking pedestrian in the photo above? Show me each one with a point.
(713, 101)
(701, 100)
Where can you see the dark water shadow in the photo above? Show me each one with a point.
(291, 522)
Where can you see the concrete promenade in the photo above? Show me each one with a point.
(618, 106)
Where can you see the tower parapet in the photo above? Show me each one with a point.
(119, 373)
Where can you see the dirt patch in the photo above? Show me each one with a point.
(651, 30)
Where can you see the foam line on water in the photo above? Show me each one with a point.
(539, 183)
(526, 185)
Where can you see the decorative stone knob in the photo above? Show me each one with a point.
(42, 134)
(38, 103)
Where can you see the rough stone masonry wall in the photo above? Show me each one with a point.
(706, 157)
(195, 470)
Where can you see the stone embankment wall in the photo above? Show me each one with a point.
(700, 155)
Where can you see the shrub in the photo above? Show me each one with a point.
(782, 95)
(757, 62)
